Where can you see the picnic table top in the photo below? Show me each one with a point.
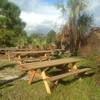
(34, 52)
(14, 49)
(50, 63)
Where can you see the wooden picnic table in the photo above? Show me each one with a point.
(20, 54)
(35, 52)
(32, 70)
(49, 63)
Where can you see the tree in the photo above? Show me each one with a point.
(9, 17)
(11, 26)
(76, 21)
(12, 13)
(22, 40)
(51, 37)
(7, 38)
(38, 40)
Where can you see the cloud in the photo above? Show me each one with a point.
(38, 14)
(45, 16)
(93, 4)
(42, 15)
(34, 20)
(94, 10)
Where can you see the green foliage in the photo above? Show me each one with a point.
(3, 3)
(70, 88)
(85, 89)
(37, 40)
(22, 41)
(42, 41)
(3, 21)
(79, 21)
(92, 61)
(11, 26)
(7, 38)
(12, 12)
(51, 37)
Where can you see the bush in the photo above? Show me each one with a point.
(7, 38)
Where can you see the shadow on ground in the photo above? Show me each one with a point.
(67, 82)
(7, 83)
(7, 66)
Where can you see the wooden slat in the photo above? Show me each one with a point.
(7, 49)
(51, 63)
(54, 78)
(34, 52)
(33, 60)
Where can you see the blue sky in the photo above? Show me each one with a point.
(42, 15)
(51, 1)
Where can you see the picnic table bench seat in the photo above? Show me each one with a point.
(32, 69)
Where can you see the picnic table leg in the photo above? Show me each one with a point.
(74, 66)
(19, 57)
(8, 56)
(31, 76)
(46, 82)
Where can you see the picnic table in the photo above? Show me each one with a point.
(32, 70)
(23, 54)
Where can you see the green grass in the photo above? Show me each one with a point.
(85, 89)
(69, 89)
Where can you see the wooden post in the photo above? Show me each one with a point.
(19, 57)
(31, 76)
(8, 55)
(45, 55)
(20, 62)
(74, 67)
(46, 82)
(69, 67)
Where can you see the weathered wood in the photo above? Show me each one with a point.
(32, 60)
(54, 78)
(8, 56)
(49, 63)
(31, 76)
(34, 52)
(73, 66)
(46, 79)
(46, 82)
(18, 49)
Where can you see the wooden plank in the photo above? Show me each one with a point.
(46, 82)
(49, 63)
(34, 52)
(54, 78)
(8, 49)
(15, 49)
(32, 60)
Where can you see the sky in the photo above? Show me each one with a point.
(42, 15)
